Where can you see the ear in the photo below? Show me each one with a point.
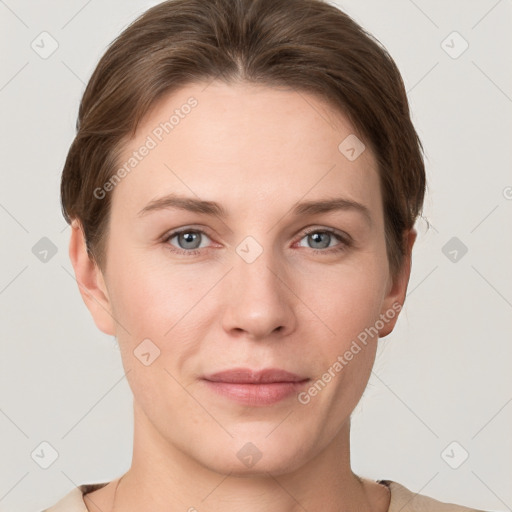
(90, 281)
(397, 288)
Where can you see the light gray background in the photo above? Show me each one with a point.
(442, 376)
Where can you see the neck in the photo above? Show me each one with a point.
(163, 477)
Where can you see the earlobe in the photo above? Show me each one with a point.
(90, 281)
(395, 298)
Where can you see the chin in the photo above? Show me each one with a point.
(257, 453)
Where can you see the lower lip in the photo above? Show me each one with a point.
(256, 394)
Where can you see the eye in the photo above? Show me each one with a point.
(188, 240)
(320, 240)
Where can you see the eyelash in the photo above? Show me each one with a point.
(345, 240)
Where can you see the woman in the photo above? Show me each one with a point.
(242, 192)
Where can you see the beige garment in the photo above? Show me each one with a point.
(402, 500)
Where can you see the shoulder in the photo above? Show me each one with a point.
(404, 500)
(73, 501)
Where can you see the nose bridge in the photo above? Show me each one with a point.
(259, 301)
(256, 266)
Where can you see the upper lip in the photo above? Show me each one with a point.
(249, 376)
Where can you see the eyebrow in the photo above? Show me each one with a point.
(215, 209)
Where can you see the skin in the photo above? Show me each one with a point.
(257, 151)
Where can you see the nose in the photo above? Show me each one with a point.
(258, 302)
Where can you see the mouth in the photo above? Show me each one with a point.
(255, 387)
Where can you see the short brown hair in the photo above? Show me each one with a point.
(308, 45)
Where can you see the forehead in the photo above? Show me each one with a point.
(246, 143)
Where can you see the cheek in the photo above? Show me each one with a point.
(150, 299)
(156, 305)
(344, 300)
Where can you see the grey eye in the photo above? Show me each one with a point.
(318, 243)
(188, 239)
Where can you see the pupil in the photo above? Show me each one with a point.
(189, 237)
(316, 238)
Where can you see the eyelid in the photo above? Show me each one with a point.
(171, 233)
(342, 234)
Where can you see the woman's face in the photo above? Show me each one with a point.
(264, 279)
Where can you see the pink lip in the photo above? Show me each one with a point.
(255, 387)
